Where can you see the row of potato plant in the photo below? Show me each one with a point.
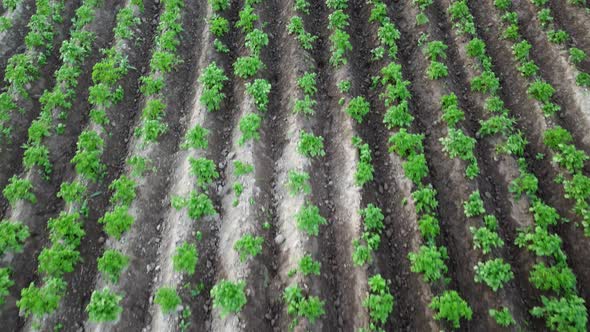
(24, 68)
(65, 230)
(104, 304)
(198, 203)
(430, 259)
(494, 271)
(300, 304)
(552, 274)
(21, 71)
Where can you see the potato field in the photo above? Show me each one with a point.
(294, 165)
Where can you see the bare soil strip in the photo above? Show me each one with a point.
(61, 149)
(533, 124)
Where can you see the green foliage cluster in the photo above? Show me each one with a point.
(112, 263)
(13, 235)
(19, 189)
(436, 51)
(104, 306)
(494, 273)
(371, 237)
(185, 258)
(503, 317)
(309, 219)
(259, 90)
(212, 79)
(248, 246)
(204, 170)
(296, 27)
(310, 146)
(430, 261)
(307, 265)
(250, 127)
(451, 307)
(298, 182)
(379, 302)
(365, 169)
(228, 297)
(167, 298)
(302, 307)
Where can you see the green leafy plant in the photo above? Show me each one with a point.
(473, 207)
(503, 317)
(196, 138)
(310, 146)
(255, 40)
(58, 259)
(241, 168)
(577, 55)
(123, 190)
(297, 28)
(298, 182)
(40, 301)
(19, 189)
(486, 239)
(425, 199)
(430, 261)
(228, 297)
(117, 222)
(259, 90)
(204, 170)
(307, 83)
(168, 299)
(218, 25)
(309, 219)
(199, 205)
(37, 155)
(13, 235)
(88, 154)
(72, 192)
(307, 265)
(219, 5)
(248, 246)
(563, 314)
(541, 91)
(5, 283)
(247, 66)
(249, 126)
(415, 168)
(212, 78)
(358, 108)
(495, 273)
(66, 229)
(340, 45)
(557, 278)
(112, 263)
(246, 20)
(301, 307)
(185, 258)
(104, 306)
(379, 302)
(406, 144)
(451, 307)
